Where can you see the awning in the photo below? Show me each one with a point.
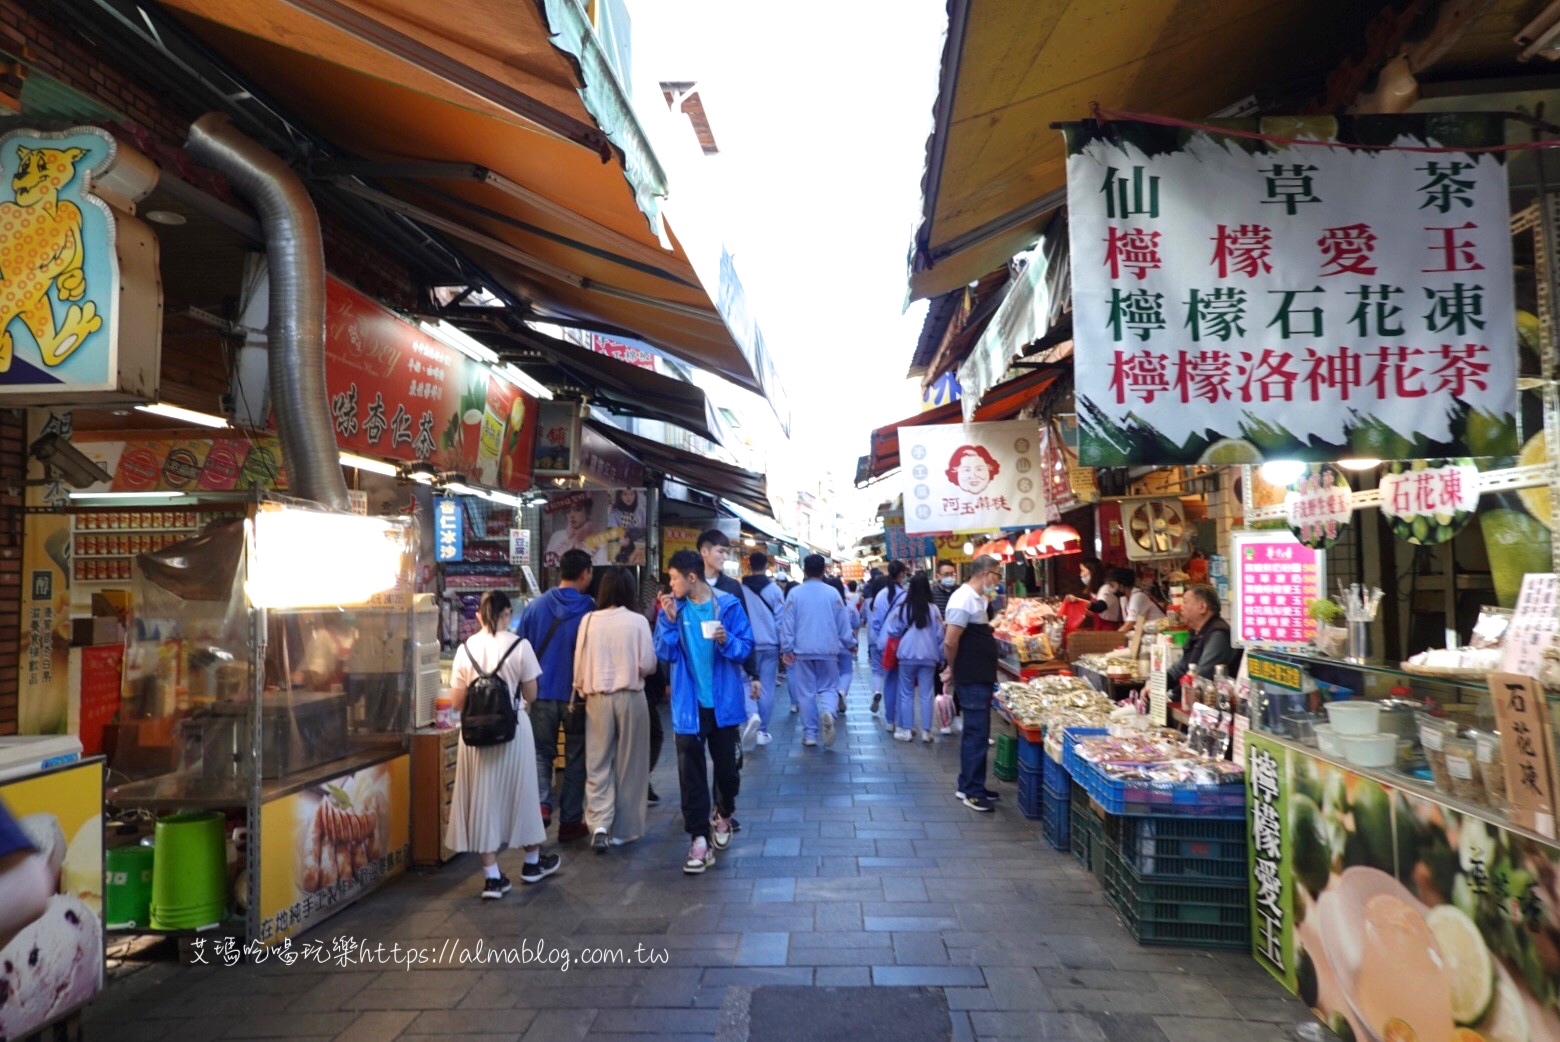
(698, 472)
(760, 523)
(1035, 300)
(625, 389)
(500, 125)
(1003, 403)
(995, 169)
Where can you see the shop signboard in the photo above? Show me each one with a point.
(1533, 624)
(1319, 506)
(1428, 501)
(43, 696)
(610, 526)
(557, 440)
(70, 262)
(54, 965)
(1274, 575)
(675, 539)
(398, 393)
(449, 530)
(633, 352)
(1403, 917)
(971, 477)
(606, 464)
(1235, 300)
(1528, 748)
(97, 674)
(326, 845)
(520, 546)
(902, 547)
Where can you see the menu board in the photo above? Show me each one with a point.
(1273, 575)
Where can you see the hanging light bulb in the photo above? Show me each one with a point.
(1282, 472)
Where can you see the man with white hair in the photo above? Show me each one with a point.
(970, 651)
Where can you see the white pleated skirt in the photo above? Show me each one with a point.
(496, 803)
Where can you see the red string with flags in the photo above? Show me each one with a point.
(1104, 115)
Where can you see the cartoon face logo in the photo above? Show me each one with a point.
(972, 469)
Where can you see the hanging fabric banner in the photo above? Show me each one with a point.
(975, 477)
(1235, 301)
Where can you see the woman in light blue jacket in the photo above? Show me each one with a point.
(919, 626)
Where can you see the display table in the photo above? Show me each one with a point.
(1341, 852)
(61, 808)
(1116, 688)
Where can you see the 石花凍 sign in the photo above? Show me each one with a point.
(1235, 301)
(971, 477)
(1428, 501)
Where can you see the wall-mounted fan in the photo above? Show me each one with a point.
(1155, 528)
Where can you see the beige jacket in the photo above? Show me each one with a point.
(614, 652)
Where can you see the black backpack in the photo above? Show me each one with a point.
(490, 717)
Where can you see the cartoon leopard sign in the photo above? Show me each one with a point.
(59, 276)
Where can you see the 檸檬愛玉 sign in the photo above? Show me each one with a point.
(1236, 300)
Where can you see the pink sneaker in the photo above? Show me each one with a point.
(700, 857)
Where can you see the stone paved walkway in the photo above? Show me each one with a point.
(855, 868)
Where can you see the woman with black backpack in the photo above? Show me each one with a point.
(496, 803)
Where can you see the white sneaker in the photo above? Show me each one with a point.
(809, 740)
(901, 735)
(958, 724)
(926, 736)
(750, 730)
(722, 832)
(945, 730)
(795, 709)
(826, 726)
(764, 738)
(888, 725)
(700, 857)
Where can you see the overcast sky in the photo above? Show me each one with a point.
(821, 111)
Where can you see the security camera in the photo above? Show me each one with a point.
(70, 463)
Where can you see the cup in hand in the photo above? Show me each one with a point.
(711, 627)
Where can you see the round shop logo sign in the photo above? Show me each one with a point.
(181, 468)
(138, 470)
(221, 470)
(1026, 506)
(923, 512)
(919, 452)
(923, 492)
(1026, 485)
(1023, 465)
(1021, 445)
(919, 472)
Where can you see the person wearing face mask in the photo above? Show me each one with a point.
(970, 651)
(1135, 601)
(1099, 603)
(943, 586)
(886, 693)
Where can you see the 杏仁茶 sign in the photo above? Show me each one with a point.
(1234, 301)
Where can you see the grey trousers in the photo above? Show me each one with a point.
(617, 762)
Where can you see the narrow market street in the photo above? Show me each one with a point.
(855, 867)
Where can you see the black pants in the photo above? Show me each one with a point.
(693, 776)
(655, 687)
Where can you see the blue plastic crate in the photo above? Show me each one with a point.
(1143, 798)
(1030, 754)
(1056, 821)
(1030, 801)
(1054, 775)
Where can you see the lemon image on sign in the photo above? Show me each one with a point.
(1535, 453)
(1227, 452)
(1470, 971)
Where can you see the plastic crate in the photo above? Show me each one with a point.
(1184, 849)
(1177, 914)
(1001, 773)
(1149, 799)
(1030, 802)
(1054, 776)
(1083, 827)
(1030, 754)
(1006, 757)
(1056, 821)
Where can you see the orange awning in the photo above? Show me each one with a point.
(471, 121)
(1002, 403)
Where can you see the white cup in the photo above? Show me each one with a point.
(710, 628)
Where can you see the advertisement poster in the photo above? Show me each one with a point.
(61, 314)
(633, 352)
(55, 964)
(971, 477)
(1428, 501)
(95, 692)
(557, 440)
(899, 546)
(397, 392)
(610, 526)
(1404, 919)
(329, 844)
(675, 539)
(1319, 506)
(1273, 575)
(1236, 301)
(43, 696)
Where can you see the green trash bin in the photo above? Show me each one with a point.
(1006, 765)
(127, 889)
(189, 872)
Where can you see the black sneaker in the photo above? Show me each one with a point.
(877, 702)
(842, 705)
(739, 756)
(493, 889)
(545, 866)
(600, 841)
(979, 803)
(653, 798)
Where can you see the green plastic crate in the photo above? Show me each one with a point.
(1195, 916)
(1005, 765)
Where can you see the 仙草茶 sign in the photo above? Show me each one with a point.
(1235, 301)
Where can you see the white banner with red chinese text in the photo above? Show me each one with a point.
(1235, 301)
(975, 477)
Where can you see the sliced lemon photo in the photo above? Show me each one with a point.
(1229, 452)
(1470, 971)
(1535, 453)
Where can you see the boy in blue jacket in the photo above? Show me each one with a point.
(705, 636)
(814, 630)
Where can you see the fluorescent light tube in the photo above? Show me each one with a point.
(511, 372)
(174, 412)
(466, 344)
(373, 466)
(460, 488)
(128, 495)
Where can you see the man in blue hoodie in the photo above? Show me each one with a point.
(704, 635)
(764, 602)
(814, 629)
(551, 623)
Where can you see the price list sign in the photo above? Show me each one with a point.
(1275, 575)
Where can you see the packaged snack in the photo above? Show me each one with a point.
(1462, 764)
